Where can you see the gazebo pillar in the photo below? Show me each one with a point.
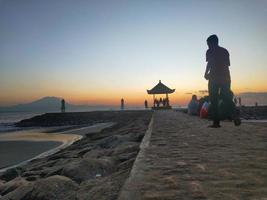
(167, 98)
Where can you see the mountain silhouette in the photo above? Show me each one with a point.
(52, 104)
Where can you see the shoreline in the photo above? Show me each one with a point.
(47, 137)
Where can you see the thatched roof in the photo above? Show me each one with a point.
(160, 88)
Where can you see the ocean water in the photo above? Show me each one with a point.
(8, 119)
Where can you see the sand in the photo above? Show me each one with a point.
(19, 147)
(14, 152)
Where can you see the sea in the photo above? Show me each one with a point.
(8, 120)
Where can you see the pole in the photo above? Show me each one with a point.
(153, 100)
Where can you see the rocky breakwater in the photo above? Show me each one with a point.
(95, 167)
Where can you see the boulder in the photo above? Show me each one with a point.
(54, 187)
(10, 174)
(109, 142)
(12, 185)
(127, 147)
(103, 188)
(98, 153)
(85, 169)
(115, 140)
(20, 193)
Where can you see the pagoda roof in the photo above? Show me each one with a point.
(160, 88)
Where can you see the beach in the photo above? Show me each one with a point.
(22, 146)
(14, 152)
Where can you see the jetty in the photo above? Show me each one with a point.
(180, 158)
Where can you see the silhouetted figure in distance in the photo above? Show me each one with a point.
(193, 106)
(63, 106)
(167, 101)
(218, 74)
(122, 104)
(146, 104)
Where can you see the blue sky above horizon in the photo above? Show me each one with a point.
(98, 51)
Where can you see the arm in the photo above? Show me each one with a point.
(206, 75)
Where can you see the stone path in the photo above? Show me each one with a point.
(186, 160)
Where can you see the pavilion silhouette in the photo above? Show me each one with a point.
(160, 88)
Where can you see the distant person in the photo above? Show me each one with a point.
(193, 106)
(201, 101)
(63, 107)
(122, 104)
(164, 102)
(160, 101)
(218, 74)
(167, 102)
(204, 111)
(146, 104)
(157, 103)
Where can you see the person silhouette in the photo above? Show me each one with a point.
(63, 106)
(218, 75)
(122, 104)
(146, 104)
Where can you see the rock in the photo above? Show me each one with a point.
(54, 187)
(98, 153)
(109, 142)
(84, 151)
(115, 140)
(32, 178)
(126, 164)
(20, 193)
(46, 172)
(12, 185)
(127, 156)
(126, 147)
(2, 182)
(10, 174)
(103, 188)
(85, 169)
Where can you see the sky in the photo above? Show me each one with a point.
(96, 52)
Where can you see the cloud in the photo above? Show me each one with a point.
(203, 91)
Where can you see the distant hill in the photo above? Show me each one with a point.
(52, 104)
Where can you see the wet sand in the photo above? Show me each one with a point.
(13, 152)
(22, 146)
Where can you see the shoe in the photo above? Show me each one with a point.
(237, 122)
(215, 126)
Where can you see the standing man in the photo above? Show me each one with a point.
(218, 74)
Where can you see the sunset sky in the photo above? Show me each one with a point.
(95, 52)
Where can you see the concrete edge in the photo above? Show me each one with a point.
(128, 192)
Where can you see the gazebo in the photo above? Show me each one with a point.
(160, 88)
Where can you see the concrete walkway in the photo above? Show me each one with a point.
(186, 160)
